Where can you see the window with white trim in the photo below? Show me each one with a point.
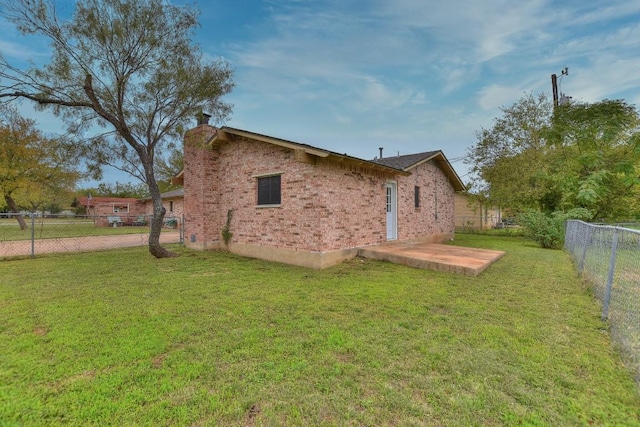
(121, 208)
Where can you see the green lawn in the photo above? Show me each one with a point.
(211, 339)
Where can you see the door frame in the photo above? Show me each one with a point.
(391, 209)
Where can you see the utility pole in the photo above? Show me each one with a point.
(554, 85)
(554, 88)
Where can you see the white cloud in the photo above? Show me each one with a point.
(419, 98)
(344, 120)
(579, 13)
(607, 77)
(622, 38)
(484, 30)
(373, 94)
(494, 96)
(19, 51)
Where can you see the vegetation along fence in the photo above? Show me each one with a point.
(608, 258)
(30, 234)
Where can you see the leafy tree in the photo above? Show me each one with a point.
(116, 190)
(596, 155)
(169, 167)
(577, 155)
(128, 67)
(34, 170)
(509, 158)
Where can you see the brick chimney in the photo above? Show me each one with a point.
(203, 118)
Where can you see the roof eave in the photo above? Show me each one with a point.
(227, 134)
(178, 179)
(224, 132)
(445, 166)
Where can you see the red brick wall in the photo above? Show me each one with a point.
(353, 205)
(327, 206)
(178, 207)
(414, 223)
(324, 206)
(101, 209)
(199, 185)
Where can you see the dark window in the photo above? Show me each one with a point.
(269, 190)
(170, 205)
(416, 196)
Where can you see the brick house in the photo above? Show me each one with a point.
(130, 209)
(127, 208)
(173, 202)
(293, 203)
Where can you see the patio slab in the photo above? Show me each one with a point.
(434, 256)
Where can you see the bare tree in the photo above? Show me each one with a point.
(127, 67)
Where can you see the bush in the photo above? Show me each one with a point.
(548, 229)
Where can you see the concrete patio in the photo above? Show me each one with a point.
(433, 256)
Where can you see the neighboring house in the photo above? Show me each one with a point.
(473, 214)
(127, 208)
(130, 210)
(289, 202)
(173, 202)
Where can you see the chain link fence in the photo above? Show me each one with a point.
(608, 258)
(30, 234)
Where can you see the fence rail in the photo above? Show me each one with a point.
(608, 258)
(31, 234)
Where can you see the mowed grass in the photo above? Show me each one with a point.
(212, 339)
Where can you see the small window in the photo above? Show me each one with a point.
(269, 190)
(121, 208)
(170, 205)
(416, 196)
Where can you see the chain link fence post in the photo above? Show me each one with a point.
(585, 245)
(612, 269)
(33, 234)
(608, 259)
(182, 230)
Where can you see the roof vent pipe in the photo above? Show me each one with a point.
(203, 118)
(381, 151)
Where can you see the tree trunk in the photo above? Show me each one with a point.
(158, 217)
(13, 207)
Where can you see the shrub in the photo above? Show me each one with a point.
(548, 229)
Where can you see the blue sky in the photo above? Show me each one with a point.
(406, 75)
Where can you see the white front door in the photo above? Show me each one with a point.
(392, 210)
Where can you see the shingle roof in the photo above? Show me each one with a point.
(400, 164)
(174, 193)
(321, 152)
(406, 161)
(410, 161)
(168, 195)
